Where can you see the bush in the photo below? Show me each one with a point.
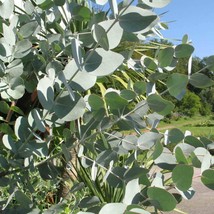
(207, 98)
(211, 117)
(206, 109)
(190, 105)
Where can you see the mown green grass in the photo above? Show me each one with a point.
(200, 131)
(199, 126)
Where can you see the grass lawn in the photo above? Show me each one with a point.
(200, 131)
(198, 125)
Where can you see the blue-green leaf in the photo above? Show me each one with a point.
(89, 201)
(207, 178)
(115, 179)
(21, 128)
(23, 199)
(28, 29)
(176, 84)
(5, 52)
(134, 173)
(206, 162)
(77, 52)
(136, 209)
(22, 48)
(4, 107)
(68, 109)
(149, 63)
(139, 87)
(129, 142)
(157, 3)
(9, 143)
(160, 105)
(128, 94)
(148, 139)
(29, 7)
(118, 208)
(46, 93)
(180, 156)
(198, 155)
(105, 157)
(166, 160)
(100, 36)
(16, 88)
(59, 2)
(47, 171)
(6, 8)
(161, 199)
(193, 141)
(183, 51)
(115, 101)
(15, 69)
(81, 80)
(210, 62)
(113, 31)
(200, 80)
(185, 39)
(80, 12)
(158, 149)
(102, 63)
(175, 135)
(35, 120)
(137, 20)
(96, 102)
(182, 176)
(9, 34)
(132, 189)
(165, 57)
(44, 4)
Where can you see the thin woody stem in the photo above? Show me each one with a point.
(10, 112)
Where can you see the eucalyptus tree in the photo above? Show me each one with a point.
(61, 120)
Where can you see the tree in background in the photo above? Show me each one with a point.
(207, 99)
(190, 105)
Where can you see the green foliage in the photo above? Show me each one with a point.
(207, 98)
(206, 109)
(190, 105)
(70, 87)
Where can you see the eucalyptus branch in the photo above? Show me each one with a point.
(92, 51)
(10, 112)
(135, 109)
(6, 173)
(10, 172)
(206, 67)
(118, 138)
(19, 8)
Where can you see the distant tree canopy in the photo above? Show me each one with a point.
(190, 104)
